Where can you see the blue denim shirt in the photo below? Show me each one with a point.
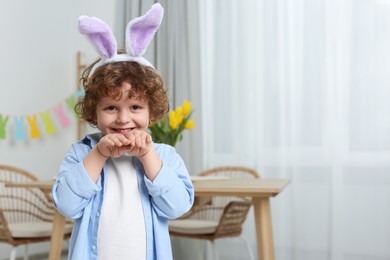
(76, 196)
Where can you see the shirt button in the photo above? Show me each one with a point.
(93, 247)
(97, 214)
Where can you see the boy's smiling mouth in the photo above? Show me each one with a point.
(122, 130)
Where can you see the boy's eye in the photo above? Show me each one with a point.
(135, 107)
(110, 108)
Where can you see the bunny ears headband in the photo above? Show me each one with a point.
(139, 33)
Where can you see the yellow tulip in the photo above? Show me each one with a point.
(179, 110)
(175, 120)
(179, 118)
(186, 107)
(189, 124)
(173, 123)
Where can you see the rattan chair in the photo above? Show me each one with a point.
(220, 217)
(26, 214)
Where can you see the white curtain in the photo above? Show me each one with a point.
(300, 89)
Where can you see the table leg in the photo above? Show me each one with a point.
(265, 242)
(57, 236)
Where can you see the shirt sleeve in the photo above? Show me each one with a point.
(73, 188)
(171, 191)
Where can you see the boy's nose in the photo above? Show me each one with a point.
(123, 116)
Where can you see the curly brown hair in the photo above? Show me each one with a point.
(107, 81)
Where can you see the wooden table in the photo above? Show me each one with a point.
(260, 190)
(57, 234)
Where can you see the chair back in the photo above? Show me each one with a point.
(232, 219)
(218, 204)
(217, 216)
(20, 204)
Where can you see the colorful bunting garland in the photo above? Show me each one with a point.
(33, 120)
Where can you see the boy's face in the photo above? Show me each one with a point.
(124, 115)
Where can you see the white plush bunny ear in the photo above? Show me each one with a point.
(100, 35)
(140, 31)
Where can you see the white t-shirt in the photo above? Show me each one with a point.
(121, 234)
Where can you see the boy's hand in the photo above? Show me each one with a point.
(140, 143)
(136, 143)
(113, 145)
